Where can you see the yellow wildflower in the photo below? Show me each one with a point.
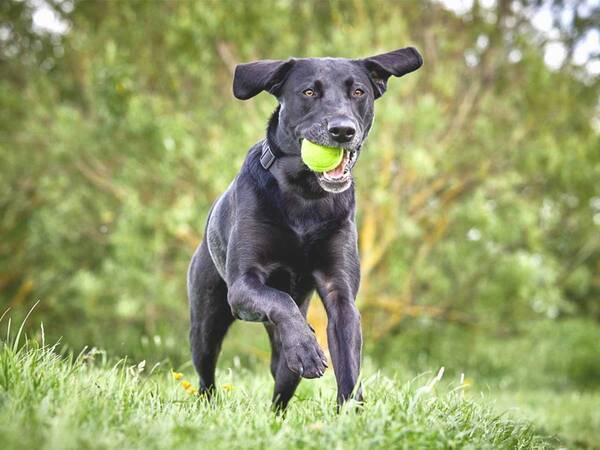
(192, 391)
(228, 387)
(186, 384)
(177, 375)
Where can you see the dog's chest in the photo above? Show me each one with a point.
(298, 247)
(293, 261)
(306, 234)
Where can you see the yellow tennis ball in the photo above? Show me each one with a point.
(320, 158)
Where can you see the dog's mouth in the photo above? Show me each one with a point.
(342, 170)
(339, 178)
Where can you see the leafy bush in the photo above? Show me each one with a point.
(478, 193)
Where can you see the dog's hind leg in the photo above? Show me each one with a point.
(210, 315)
(286, 381)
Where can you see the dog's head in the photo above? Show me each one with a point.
(328, 101)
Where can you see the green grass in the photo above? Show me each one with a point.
(59, 402)
(573, 416)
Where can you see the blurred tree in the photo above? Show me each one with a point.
(479, 200)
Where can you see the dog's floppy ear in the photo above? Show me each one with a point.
(266, 75)
(396, 63)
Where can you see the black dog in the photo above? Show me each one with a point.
(281, 231)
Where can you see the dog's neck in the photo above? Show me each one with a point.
(280, 140)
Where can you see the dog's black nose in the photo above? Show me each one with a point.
(341, 130)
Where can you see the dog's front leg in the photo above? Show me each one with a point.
(250, 299)
(344, 335)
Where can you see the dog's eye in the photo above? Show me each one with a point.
(309, 92)
(358, 92)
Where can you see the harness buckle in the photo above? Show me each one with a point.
(267, 158)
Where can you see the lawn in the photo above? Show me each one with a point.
(572, 415)
(53, 401)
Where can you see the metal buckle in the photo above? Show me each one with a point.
(268, 157)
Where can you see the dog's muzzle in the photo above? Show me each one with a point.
(340, 178)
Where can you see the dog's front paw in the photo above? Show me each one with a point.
(302, 352)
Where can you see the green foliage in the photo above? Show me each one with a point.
(478, 193)
(478, 214)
